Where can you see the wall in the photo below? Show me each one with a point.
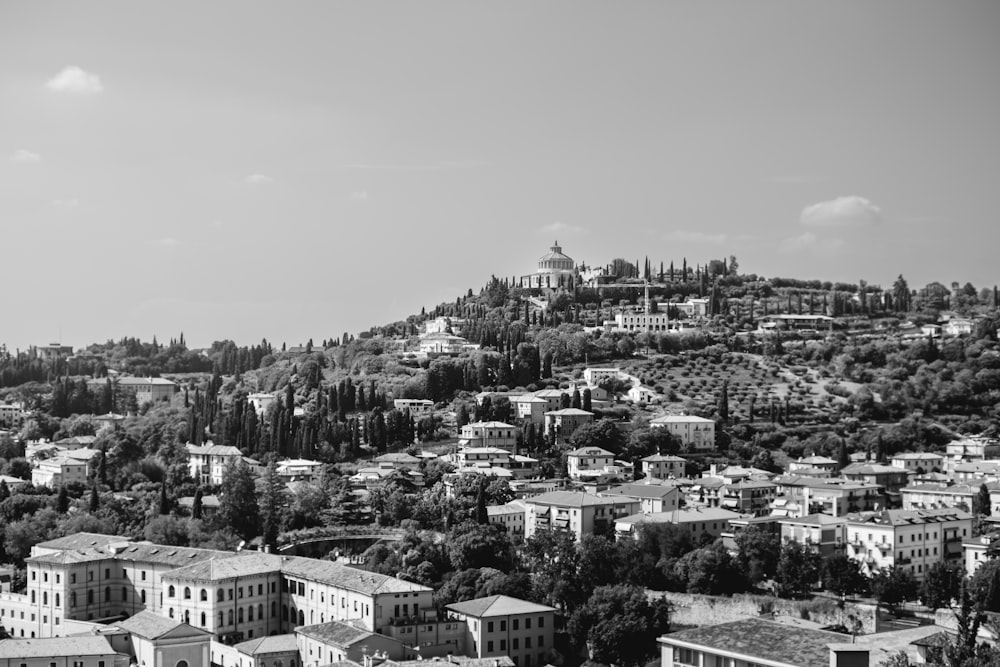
(697, 610)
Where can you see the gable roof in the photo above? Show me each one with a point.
(335, 633)
(55, 647)
(498, 605)
(570, 499)
(272, 644)
(150, 625)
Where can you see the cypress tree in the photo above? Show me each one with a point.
(95, 500)
(62, 500)
(196, 505)
(164, 500)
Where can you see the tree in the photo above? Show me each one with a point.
(982, 501)
(164, 506)
(710, 571)
(62, 500)
(724, 402)
(962, 649)
(798, 570)
(841, 575)
(892, 585)
(271, 503)
(758, 553)
(618, 624)
(196, 505)
(95, 500)
(473, 545)
(901, 294)
(942, 583)
(238, 500)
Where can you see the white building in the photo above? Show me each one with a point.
(697, 433)
(662, 466)
(416, 406)
(555, 269)
(489, 434)
(58, 471)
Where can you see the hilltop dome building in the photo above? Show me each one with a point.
(555, 269)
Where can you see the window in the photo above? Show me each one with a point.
(57, 599)
(503, 644)
(527, 642)
(685, 656)
(107, 573)
(514, 644)
(187, 593)
(527, 624)
(489, 647)
(220, 595)
(239, 615)
(72, 599)
(45, 576)
(124, 594)
(107, 593)
(204, 595)
(489, 626)
(249, 613)
(503, 626)
(171, 592)
(202, 619)
(142, 596)
(541, 621)
(72, 578)
(90, 596)
(58, 577)
(541, 641)
(142, 575)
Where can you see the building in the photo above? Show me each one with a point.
(300, 470)
(208, 462)
(565, 422)
(596, 375)
(641, 321)
(62, 652)
(148, 390)
(416, 406)
(799, 496)
(698, 521)
(576, 512)
(59, 470)
(891, 478)
(12, 415)
(662, 466)
(918, 462)
(937, 495)
(260, 402)
(156, 640)
(820, 532)
(332, 642)
(499, 625)
(443, 343)
(651, 497)
(529, 407)
(510, 516)
(489, 434)
(749, 496)
(696, 433)
(270, 651)
(587, 460)
(973, 449)
(910, 539)
(784, 322)
(977, 550)
(810, 463)
(555, 269)
(754, 642)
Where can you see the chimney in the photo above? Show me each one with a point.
(848, 655)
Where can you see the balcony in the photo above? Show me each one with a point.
(903, 560)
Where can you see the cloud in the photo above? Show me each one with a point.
(851, 211)
(259, 179)
(428, 166)
(561, 228)
(359, 195)
(167, 242)
(791, 180)
(696, 237)
(75, 80)
(809, 242)
(22, 155)
(66, 203)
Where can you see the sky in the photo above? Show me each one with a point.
(298, 170)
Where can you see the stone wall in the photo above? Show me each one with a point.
(696, 610)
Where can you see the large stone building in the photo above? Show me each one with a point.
(499, 625)
(555, 269)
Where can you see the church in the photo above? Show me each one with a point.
(555, 269)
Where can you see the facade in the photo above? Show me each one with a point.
(594, 376)
(12, 415)
(973, 449)
(586, 460)
(332, 642)
(208, 463)
(640, 321)
(699, 521)
(157, 640)
(300, 470)
(270, 651)
(937, 495)
(697, 433)
(58, 471)
(489, 434)
(918, 462)
(576, 512)
(661, 466)
(821, 463)
(566, 421)
(416, 406)
(891, 478)
(442, 343)
(510, 516)
(148, 390)
(505, 626)
(820, 532)
(800, 496)
(749, 497)
(651, 497)
(529, 407)
(910, 539)
(978, 550)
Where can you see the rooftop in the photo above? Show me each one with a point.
(498, 605)
(265, 645)
(766, 640)
(335, 633)
(54, 647)
(569, 499)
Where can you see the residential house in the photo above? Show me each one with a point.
(565, 422)
(12, 415)
(918, 462)
(696, 433)
(149, 389)
(973, 448)
(156, 640)
(529, 408)
(978, 549)
(500, 625)
(891, 478)
(823, 463)
(596, 375)
(208, 462)
(799, 496)
(260, 402)
(910, 539)
(510, 516)
(58, 471)
(663, 466)
(60, 651)
(587, 460)
(749, 497)
(651, 497)
(820, 532)
(576, 512)
(416, 406)
(698, 522)
(938, 495)
(300, 470)
(489, 434)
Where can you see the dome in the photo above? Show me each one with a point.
(555, 261)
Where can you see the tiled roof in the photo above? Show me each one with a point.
(347, 577)
(56, 647)
(655, 491)
(334, 633)
(665, 458)
(264, 645)
(679, 419)
(245, 564)
(909, 517)
(588, 451)
(81, 541)
(870, 469)
(498, 605)
(757, 638)
(569, 412)
(148, 624)
(570, 499)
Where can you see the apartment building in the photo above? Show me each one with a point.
(489, 434)
(663, 466)
(696, 433)
(500, 625)
(576, 512)
(911, 539)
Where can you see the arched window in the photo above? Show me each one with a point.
(312, 617)
(187, 593)
(182, 663)
(302, 617)
(187, 616)
(204, 595)
(32, 597)
(220, 595)
(171, 592)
